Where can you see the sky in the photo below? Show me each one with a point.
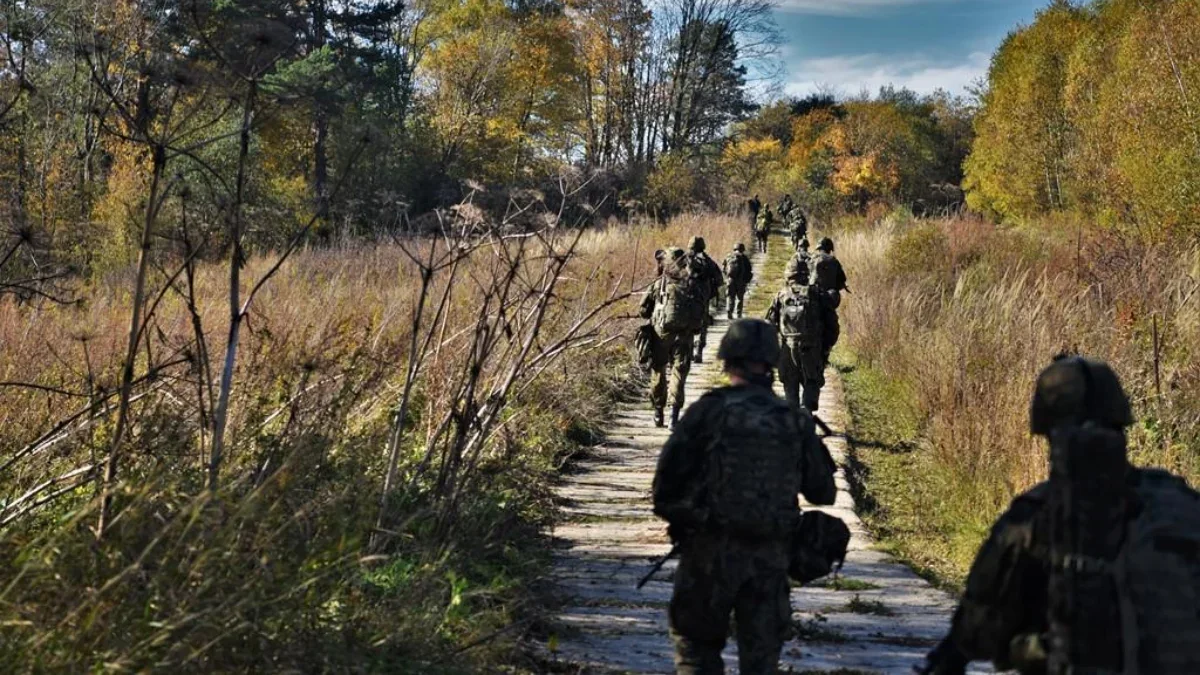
(852, 45)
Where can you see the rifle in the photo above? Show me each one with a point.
(824, 427)
(658, 564)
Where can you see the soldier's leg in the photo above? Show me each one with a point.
(731, 296)
(660, 361)
(681, 364)
(764, 615)
(702, 338)
(700, 608)
(741, 300)
(812, 362)
(790, 374)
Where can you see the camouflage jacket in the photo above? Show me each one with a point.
(713, 278)
(828, 322)
(681, 479)
(646, 310)
(828, 272)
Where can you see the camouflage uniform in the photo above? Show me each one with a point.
(670, 350)
(713, 281)
(802, 361)
(762, 228)
(830, 277)
(1022, 612)
(732, 437)
(799, 228)
(737, 281)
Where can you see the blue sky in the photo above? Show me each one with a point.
(922, 44)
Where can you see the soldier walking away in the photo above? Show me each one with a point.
(738, 271)
(755, 206)
(786, 205)
(675, 304)
(831, 279)
(712, 282)
(1096, 570)
(798, 227)
(803, 318)
(803, 257)
(762, 228)
(726, 484)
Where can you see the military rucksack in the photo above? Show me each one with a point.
(819, 546)
(1158, 578)
(681, 306)
(738, 268)
(753, 472)
(800, 316)
(830, 275)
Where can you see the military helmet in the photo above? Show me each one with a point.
(1074, 389)
(739, 247)
(697, 244)
(796, 270)
(826, 245)
(804, 244)
(750, 341)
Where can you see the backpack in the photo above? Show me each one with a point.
(738, 269)
(829, 273)
(819, 546)
(763, 223)
(800, 316)
(681, 306)
(753, 473)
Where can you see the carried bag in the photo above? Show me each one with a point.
(681, 304)
(643, 342)
(819, 546)
(800, 318)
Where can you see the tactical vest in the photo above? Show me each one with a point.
(829, 273)
(754, 469)
(800, 316)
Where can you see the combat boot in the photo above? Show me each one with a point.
(658, 417)
(674, 416)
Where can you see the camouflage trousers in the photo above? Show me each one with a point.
(671, 351)
(719, 576)
(737, 299)
(802, 366)
(702, 335)
(760, 239)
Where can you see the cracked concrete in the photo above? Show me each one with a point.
(610, 537)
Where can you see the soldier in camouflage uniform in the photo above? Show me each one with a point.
(803, 316)
(712, 283)
(739, 272)
(830, 278)
(726, 483)
(762, 228)
(798, 227)
(1123, 598)
(672, 351)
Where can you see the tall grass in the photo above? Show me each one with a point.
(949, 323)
(282, 567)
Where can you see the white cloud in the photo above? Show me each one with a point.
(852, 74)
(846, 7)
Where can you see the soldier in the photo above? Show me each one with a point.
(785, 207)
(803, 257)
(755, 207)
(762, 228)
(711, 286)
(799, 227)
(675, 303)
(1095, 570)
(803, 317)
(739, 272)
(726, 484)
(831, 279)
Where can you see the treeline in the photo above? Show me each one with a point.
(898, 148)
(1092, 110)
(350, 112)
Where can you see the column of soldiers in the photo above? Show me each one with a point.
(1096, 570)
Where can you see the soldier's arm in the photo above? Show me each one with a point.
(647, 308)
(773, 313)
(1006, 589)
(680, 471)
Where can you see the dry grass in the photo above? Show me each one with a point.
(275, 567)
(947, 327)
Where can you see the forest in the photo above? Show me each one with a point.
(305, 303)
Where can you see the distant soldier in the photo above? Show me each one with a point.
(713, 281)
(1096, 570)
(785, 207)
(803, 257)
(738, 273)
(762, 228)
(803, 317)
(831, 279)
(726, 483)
(798, 227)
(755, 206)
(676, 305)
